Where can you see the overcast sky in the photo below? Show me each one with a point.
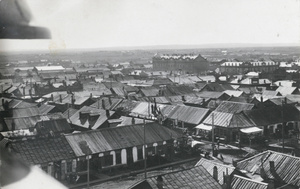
(114, 23)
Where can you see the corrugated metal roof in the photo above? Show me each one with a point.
(222, 169)
(239, 182)
(287, 90)
(228, 120)
(188, 114)
(25, 112)
(128, 121)
(196, 177)
(45, 108)
(109, 139)
(31, 121)
(286, 166)
(273, 115)
(109, 103)
(233, 107)
(150, 92)
(85, 122)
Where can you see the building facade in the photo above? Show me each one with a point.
(176, 62)
(243, 67)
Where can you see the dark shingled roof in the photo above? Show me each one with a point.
(38, 151)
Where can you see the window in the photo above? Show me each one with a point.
(108, 160)
(69, 166)
(140, 153)
(118, 157)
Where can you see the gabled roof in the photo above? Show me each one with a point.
(150, 92)
(239, 182)
(287, 90)
(31, 121)
(45, 108)
(106, 103)
(233, 107)
(229, 120)
(273, 115)
(188, 114)
(25, 112)
(86, 122)
(178, 90)
(128, 121)
(38, 151)
(294, 98)
(104, 140)
(218, 87)
(286, 166)
(196, 177)
(212, 95)
(222, 169)
(234, 93)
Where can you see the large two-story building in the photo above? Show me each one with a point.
(180, 62)
(243, 67)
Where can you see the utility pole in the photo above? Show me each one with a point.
(282, 127)
(213, 133)
(87, 151)
(145, 154)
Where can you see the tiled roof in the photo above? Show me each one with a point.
(233, 107)
(239, 182)
(286, 166)
(222, 169)
(109, 139)
(196, 177)
(39, 151)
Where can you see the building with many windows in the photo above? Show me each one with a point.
(243, 67)
(180, 62)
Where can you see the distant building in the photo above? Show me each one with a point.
(242, 67)
(185, 63)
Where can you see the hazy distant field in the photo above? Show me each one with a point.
(144, 56)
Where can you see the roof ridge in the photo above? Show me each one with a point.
(252, 180)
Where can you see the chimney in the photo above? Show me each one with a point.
(13, 126)
(183, 98)
(261, 99)
(159, 182)
(52, 98)
(107, 113)
(109, 99)
(103, 104)
(72, 99)
(132, 121)
(215, 173)
(279, 83)
(271, 184)
(91, 95)
(285, 100)
(30, 92)
(203, 101)
(23, 91)
(60, 98)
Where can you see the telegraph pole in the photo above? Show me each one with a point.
(145, 154)
(213, 133)
(282, 127)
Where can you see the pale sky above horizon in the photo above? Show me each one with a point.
(115, 23)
